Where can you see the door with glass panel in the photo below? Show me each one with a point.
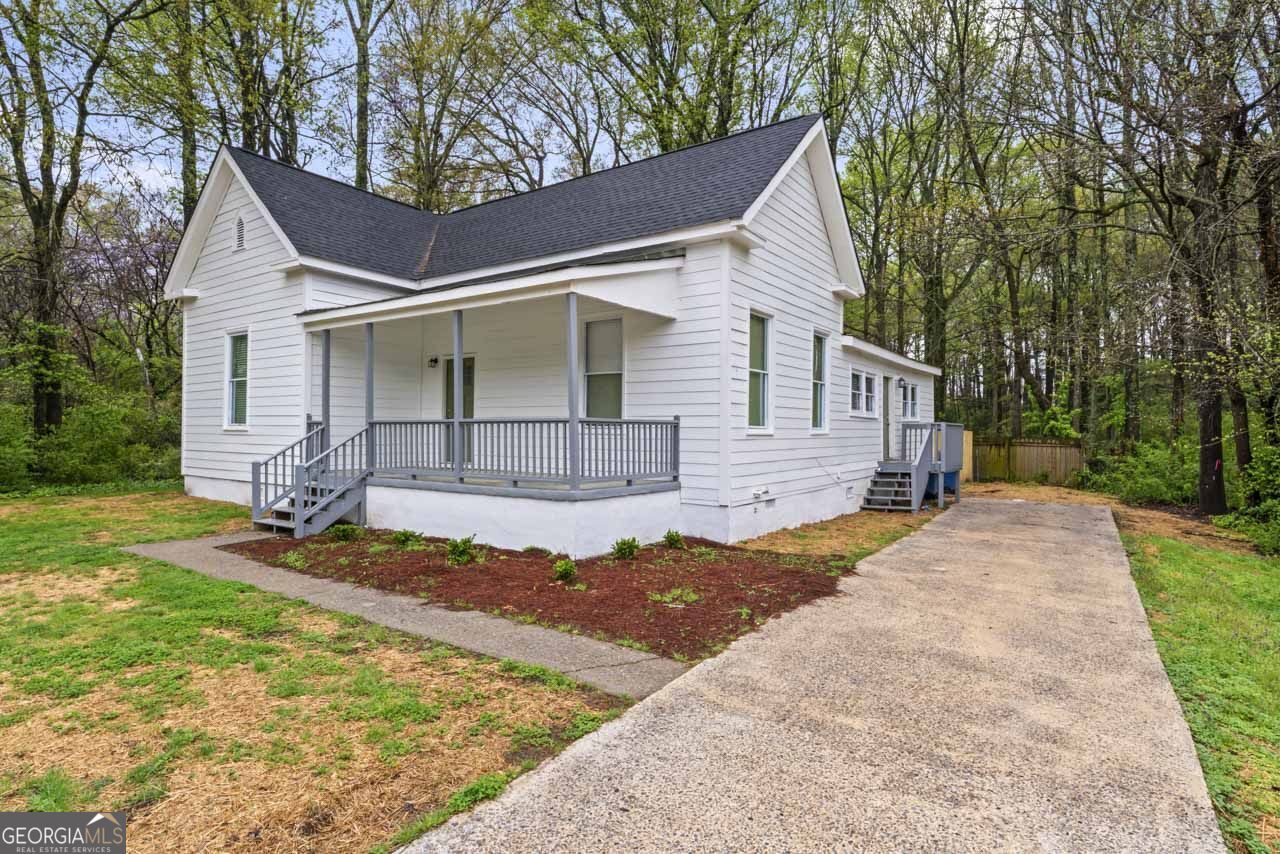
(468, 400)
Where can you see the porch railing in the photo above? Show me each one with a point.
(932, 449)
(272, 479)
(530, 450)
(325, 482)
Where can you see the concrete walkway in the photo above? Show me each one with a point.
(610, 668)
(988, 684)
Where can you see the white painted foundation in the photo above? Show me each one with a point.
(576, 528)
(218, 489)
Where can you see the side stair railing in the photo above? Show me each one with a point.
(922, 466)
(331, 484)
(272, 479)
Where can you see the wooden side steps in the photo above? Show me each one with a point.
(283, 517)
(889, 490)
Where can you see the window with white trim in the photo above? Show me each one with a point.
(910, 394)
(604, 368)
(758, 372)
(862, 393)
(818, 384)
(238, 379)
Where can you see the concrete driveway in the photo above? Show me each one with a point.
(989, 683)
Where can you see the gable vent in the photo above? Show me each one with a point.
(239, 232)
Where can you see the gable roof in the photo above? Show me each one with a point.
(714, 181)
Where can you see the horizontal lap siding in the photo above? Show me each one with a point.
(239, 290)
(790, 279)
(673, 368)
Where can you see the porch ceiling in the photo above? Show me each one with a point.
(646, 285)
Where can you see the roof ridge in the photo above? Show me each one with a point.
(657, 156)
(328, 178)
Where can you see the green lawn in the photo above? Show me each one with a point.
(1216, 619)
(221, 716)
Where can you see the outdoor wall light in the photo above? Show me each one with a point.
(902, 383)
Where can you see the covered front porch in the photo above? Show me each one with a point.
(515, 394)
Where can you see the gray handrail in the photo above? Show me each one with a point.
(272, 478)
(921, 469)
(322, 480)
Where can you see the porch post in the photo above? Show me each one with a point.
(459, 446)
(325, 350)
(571, 337)
(368, 396)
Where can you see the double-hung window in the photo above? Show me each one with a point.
(818, 405)
(238, 379)
(862, 393)
(604, 368)
(910, 401)
(758, 373)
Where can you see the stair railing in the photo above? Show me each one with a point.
(323, 480)
(921, 469)
(272, 479)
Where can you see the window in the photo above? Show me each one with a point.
(758, 373)
(862, 393)
(239, 233)
(910, 400)
(818, 405)
(604, 369)
(238, 379)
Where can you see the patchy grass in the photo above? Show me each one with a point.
(1214, 608)
(852, 537)
(223, 717)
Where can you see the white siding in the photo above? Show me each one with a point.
(325, 290)
(239, 291)
(789, 279)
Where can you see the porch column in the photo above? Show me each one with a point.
(459, 446)
(325, 351)
(571, 337)
(368, 396)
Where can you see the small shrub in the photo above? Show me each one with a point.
(565, 570)
(406, 538)
(626, 548)
(461, 551)
(676, 596)
(536, 550)
(346, 533)
(1155, 473)
(294, 559)
(703, 553)
(673, 539)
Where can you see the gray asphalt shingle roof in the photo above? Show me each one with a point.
(711, 182)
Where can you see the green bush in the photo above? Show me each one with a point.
(1155, 473)
(565, 570)
(110, 440)
(405, 538)
(1262, 477)
(626, 548)
(17, 450)
(462, 550)
(1261, 524)
(673, 539)
(346, 533)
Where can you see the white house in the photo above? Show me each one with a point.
(655, 346)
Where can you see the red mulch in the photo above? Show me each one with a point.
(616, 603)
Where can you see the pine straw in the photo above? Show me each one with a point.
(239, 797)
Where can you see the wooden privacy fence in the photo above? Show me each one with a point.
(1044, 460)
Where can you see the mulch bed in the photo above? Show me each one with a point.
(680, 603)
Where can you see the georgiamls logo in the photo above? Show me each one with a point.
(62, 833)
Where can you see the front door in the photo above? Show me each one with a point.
(468, 401)
(886, 425)
(468, 387)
